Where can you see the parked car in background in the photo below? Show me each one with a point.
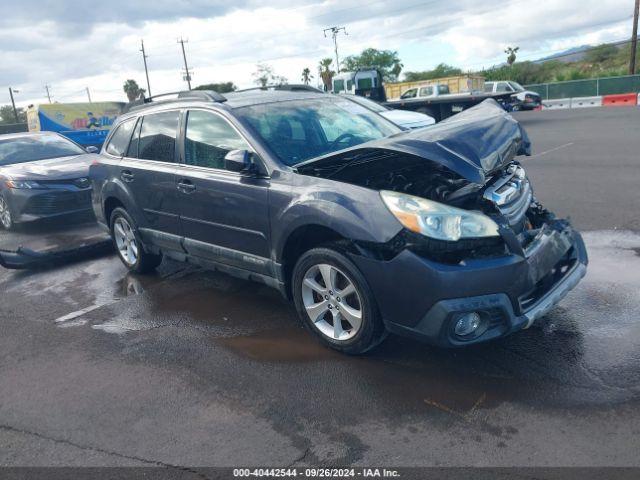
(42, 175)
(404, 118)
(432, 233)
(522, 99)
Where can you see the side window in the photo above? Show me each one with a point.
(488, 87)
(338, 86)
(119, 142)
(410, 93)
(208, 138)
(426, 91)
(158, 136)
(132, 151)
(503, 87)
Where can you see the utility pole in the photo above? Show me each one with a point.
(187, 73)
(13, 104)
(334, 34)
(634, 39)
(88, 94)
(46, 87)
(146, 71)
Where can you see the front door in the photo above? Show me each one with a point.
(149, 172)
(224, 214)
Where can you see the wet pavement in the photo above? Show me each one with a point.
(189, 367)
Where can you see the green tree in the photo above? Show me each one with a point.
(223, 87)
(602, 53)
(440, 71)
(7, 117)
(306, 76)
(264, 76)
(387, 61)
(133, 90)
(326, 74)
(511, 54)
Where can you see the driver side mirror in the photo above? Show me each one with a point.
(92, 149)
(240, 161)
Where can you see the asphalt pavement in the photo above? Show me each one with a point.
(188, 367)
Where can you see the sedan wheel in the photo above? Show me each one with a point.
(332, 302)
(5, 214)
(125, 241)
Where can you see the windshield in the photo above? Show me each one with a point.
(516, 86)
(302, 129)
(32, 148)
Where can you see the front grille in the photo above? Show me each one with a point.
(52, 203)
(511, 194)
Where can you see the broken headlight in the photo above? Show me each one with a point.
(436, 220)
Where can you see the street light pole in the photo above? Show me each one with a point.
(146, 71)
(334, 34)
(13, 104)
(186, 68)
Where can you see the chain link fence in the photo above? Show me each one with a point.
(591, 87)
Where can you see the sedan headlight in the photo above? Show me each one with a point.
(22, 184)
(436, 220)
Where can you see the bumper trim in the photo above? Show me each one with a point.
(554, 296)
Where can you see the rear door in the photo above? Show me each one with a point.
(224, 214)
(149, 173)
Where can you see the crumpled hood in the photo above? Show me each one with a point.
(472, 143)
(62, 168)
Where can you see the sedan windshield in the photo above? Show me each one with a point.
(32, 148)
(302, 129)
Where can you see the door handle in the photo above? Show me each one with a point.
(127, 176)
(186, 186)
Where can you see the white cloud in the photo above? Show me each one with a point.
(96, 45)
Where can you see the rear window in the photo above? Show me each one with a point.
(119, 141)
(365, 83)
(37, 147)
(158, 137)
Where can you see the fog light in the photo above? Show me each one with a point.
(467, 324)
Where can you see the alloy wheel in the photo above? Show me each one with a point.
(5, 214)
(332, 302)
(125, 241)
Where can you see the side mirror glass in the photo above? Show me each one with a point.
(92, 149)
(239, 161)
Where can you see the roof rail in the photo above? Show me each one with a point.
(206, 95)
(295, 87)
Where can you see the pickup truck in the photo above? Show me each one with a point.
(521, 99)
(437, 102)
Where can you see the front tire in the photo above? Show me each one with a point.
(335, 302)
(128, 245)
(6, 221)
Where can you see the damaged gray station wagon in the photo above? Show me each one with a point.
(433, 233)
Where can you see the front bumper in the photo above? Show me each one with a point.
(422, 298)
(34, 204)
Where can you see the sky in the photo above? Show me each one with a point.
(75, 45)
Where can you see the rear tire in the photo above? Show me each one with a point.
(335, 302)
(127, 242)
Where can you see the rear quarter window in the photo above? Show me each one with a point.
(119, 141)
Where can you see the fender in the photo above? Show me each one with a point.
(348, 210)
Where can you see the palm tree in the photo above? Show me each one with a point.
(326, 74)
(306, 76)
(511, 52)
(133, 90)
